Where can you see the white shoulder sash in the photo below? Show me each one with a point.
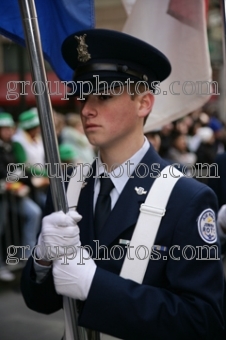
(151, 213)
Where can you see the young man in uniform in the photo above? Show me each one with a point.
(180, 294)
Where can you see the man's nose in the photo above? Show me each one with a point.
(88, 107)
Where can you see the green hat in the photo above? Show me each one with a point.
(67, 152)
(29, 119)
(6, 119)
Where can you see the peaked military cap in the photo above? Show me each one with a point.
(113, 56)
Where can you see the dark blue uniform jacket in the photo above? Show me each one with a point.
(180, 298)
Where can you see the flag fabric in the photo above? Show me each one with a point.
(57, 19)
(128, 4)
(178, 29)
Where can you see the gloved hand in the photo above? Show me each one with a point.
(221, 219)
(74, 279)
(59, 235)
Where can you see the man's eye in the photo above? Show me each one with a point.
(105, 97)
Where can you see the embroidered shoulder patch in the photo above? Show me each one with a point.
(207, 226)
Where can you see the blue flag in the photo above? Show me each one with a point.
(57, 19)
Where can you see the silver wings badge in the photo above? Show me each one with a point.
(140, 191)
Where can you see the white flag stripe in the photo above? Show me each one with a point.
(128, 4)
(187, 49)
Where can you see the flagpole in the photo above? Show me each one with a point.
(33, 43)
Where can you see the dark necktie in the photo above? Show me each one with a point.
(103, 205)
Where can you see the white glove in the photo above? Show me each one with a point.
(74, 278)
(221, 218)
(59, 235)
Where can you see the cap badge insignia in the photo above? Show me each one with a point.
(140, 191)
(83, 54)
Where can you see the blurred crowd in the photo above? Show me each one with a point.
(191, 140)
(197, 138)
(24, 178)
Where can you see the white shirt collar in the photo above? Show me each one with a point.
(125, 170)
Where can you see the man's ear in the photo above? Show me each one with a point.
(146, 102)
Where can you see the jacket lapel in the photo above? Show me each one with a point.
(85, 208)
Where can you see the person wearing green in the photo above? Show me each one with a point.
(28, 149)
(24, 205)
(67, 153)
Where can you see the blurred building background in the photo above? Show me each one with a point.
(109, 14)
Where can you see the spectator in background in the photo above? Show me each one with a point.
(165, 139)
(154, 138)
(219, 132)
(28, 149)
(206, 150)
(25, 207)
(217, 182)
(6, 157)
(67, 153)
(193, 138)
(59, 121)
(188, 121)
(181, 126)
(73, 134)
(178, 152)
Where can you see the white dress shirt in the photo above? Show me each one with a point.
(120, 175)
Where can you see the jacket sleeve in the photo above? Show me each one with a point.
(188, 307)
(40, 297)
